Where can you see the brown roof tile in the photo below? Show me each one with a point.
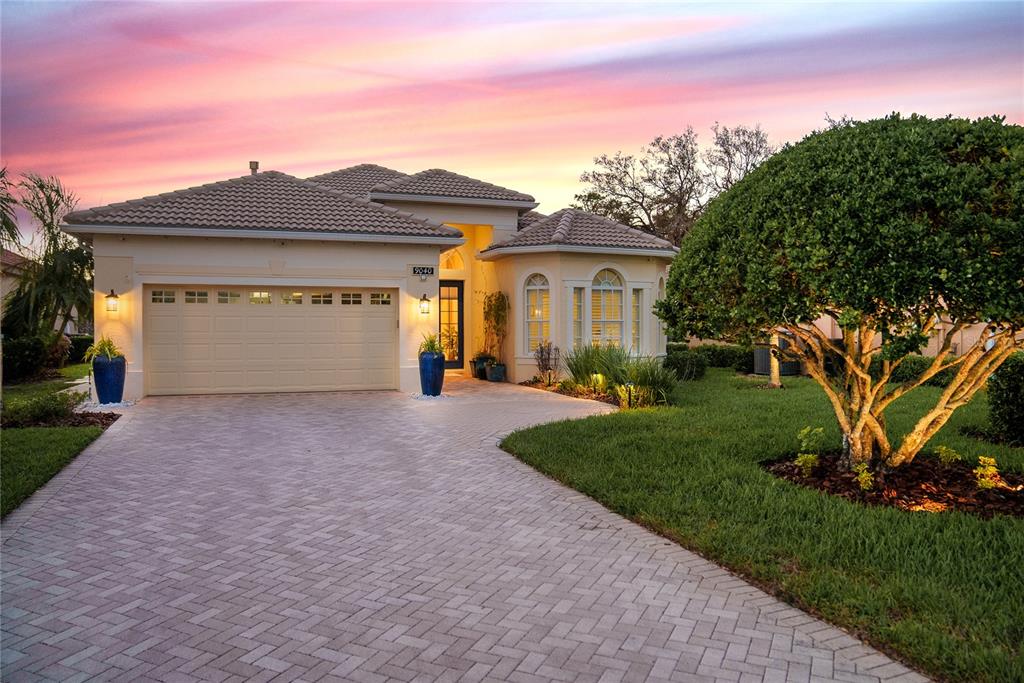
(265, 201)
(529, 218)
(12, 259)
(438, 182)
(575, 228)
(357, 180)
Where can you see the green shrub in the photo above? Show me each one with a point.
(724, 355)
(612, 362)
(1006, 400)
(652, 382)
(581, 363)
(744, 362)
(947, 456)
(688, 364)
(79, 343)
(41, 409)
(58, 351)
(806, 462)
(23, 357)
(912, 367)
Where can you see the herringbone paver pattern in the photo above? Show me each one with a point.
(370, 537)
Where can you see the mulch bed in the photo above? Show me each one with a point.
(85, 419)
(922, 485)
(578, 392)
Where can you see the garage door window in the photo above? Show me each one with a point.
(380, 299)
(351, 299)
(321, 298)
(259, 297)
(196, 297)
(163, 296)
(229, 297)
(291, 297)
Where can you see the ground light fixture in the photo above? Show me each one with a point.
(424, 305)
(112, 301)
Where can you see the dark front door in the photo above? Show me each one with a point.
(451, 323)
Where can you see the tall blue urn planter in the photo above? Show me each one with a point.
(431, 373)
(109, 376)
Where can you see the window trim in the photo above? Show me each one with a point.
(636, 319)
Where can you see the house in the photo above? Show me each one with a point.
(12, 264)
(270, 282)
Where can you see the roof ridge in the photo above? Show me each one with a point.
(397, 182)
(561, 233)
(356, 167)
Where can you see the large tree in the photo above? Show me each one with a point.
(664, 189)
(10, 236)
(887, 227)
(57, 283)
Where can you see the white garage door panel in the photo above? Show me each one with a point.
(234, 346)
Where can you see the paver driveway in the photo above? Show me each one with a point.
(367, 536)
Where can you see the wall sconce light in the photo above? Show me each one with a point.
(112, 301)
(424, 305)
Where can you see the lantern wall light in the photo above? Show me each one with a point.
(112, 301)
(424, 305)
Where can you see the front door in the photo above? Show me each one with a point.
(451, 323)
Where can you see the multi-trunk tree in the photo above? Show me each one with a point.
(893, 228)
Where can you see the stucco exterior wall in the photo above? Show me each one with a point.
(125, 264)
(566, 271)
(962, 340)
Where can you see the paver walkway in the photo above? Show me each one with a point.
(370, 536)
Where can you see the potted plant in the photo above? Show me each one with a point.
(495, 331)
(108, 367)
(431, 365)
(480, 361)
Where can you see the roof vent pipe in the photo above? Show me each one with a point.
(254, 166)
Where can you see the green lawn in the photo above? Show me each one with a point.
(30, 456)
(942, 591)
(29, 390)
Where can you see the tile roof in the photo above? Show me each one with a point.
(529, 218)
(12, 259)
(575, 228)
(265, 201)
(357, 180)
(437, 182)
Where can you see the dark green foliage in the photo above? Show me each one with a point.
(24, 357)
(942, 591)
(30, 457)
(1006, 400)
(912, 367)
(688, 364)
(79, 343)
(726, 355)
(581, 362)
(886, 222)
(40, 410)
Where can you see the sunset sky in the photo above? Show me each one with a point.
(126, 99)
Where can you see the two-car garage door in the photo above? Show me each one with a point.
(217, 339)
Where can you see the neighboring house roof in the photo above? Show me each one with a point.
(438, 183)
(575, 230)
(12, 260)
(260, 205)
(529, 218)
(357, 180)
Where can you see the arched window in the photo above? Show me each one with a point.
(606, 308)
(538, 311)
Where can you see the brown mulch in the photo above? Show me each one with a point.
(924, 484)
(578, 392)
(86, 419)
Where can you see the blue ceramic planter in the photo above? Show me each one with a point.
(496, 372)
(431, 373)
(109, 377)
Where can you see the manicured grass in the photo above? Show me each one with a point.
(29, 390)
(29, 457)
(942, 591)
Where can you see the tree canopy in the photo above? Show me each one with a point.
(886, 226)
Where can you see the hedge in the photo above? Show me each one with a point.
(1006, 400)
(79, 343)
(24, 357)
(686, 363)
